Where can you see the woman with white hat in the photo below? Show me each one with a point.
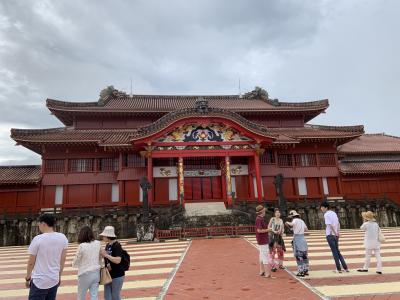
(299, 243)
(113, 257)
(371, 241)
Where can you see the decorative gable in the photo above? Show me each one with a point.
(204, 133)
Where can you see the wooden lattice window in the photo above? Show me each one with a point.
(108, 164)
(81, 165)
(134, 160)
(285, 160)
(54, 166)
(306, 160)
(193, 163)
(327, 159)
(268, 158)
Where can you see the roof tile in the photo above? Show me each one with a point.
(372, 143)
(380, 167)
(19, 174)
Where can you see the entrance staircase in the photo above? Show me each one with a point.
(206, 209)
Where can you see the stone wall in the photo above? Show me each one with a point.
(19, 230)
(349, 212)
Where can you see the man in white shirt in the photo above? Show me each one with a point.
(47, 254)
(332, 236)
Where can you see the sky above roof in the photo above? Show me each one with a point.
(346, 51)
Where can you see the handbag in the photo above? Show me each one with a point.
(105, 277)
(381, 237)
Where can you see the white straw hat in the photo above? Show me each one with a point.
(109, 231)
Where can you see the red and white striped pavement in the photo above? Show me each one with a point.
(152, 265)
(351, 285)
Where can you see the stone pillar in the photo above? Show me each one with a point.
(342, 214)
(258, 177)
(228, 180)
(181, 182)
(383, 217)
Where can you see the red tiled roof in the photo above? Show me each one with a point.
(19, 174)
(123, 137)
(168, 103)
(320, 131)
(369, 167)
(371, 143)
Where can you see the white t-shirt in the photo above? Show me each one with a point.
(298, 226)
(331, 218)
(47, 247)
(87, 257)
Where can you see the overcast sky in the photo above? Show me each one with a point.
(346, 51)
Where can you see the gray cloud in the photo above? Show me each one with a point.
(298, 50)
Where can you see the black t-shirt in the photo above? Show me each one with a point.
(115, 250)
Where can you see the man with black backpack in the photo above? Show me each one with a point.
(117, 261)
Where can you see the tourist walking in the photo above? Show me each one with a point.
(371, 241)
(262, 241)
(299, 243)
(276, 243)
(332, 236)
(88, 262)
(113, 257)
(47, 254)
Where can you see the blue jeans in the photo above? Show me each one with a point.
(112, 291)
(88, 281)
(42, 294)
(333, 243)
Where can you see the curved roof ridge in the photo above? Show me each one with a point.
(357, 128)
(55, 102)
(169, 118)
(274, 102)
(382, 134)
(24, 131)
(20, 166)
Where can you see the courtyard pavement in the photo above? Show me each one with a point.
(227, 268)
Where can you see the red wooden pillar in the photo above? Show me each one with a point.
(120, 183)
(181, 182)
(228, 180)
(251, 186)
(258, 176)
(150, 177)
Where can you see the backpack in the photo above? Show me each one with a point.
(125, 260)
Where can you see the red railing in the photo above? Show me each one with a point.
(204, 232)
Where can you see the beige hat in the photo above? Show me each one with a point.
(293, 213)
(109, 231)
(260, 209)
(368, 215)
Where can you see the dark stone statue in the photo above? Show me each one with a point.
(145, 185)
(145, 228)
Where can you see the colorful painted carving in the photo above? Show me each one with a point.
(204, 133)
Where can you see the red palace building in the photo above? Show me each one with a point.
(195, 149)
